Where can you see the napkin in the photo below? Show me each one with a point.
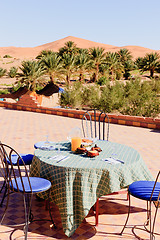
(112, 160)
(59, 158)
(47, 147)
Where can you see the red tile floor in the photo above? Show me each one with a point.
(22, 129)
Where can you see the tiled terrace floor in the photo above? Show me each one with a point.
(22, 129)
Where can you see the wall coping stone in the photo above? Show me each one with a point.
(117, 119)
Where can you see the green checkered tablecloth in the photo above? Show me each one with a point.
(78, 181)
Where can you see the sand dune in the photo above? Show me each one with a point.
(20, 52)
(136, 51)
(81, 43)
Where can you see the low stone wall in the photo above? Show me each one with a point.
(117, 119)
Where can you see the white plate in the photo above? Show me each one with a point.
(90, 141)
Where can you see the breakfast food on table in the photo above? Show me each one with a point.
(85, 140)
(81, 149)
(92, 153)
(96, 148)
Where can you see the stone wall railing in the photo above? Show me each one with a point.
(117, 119)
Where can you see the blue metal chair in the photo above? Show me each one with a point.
(148, 191)
(15, 180)
(27, 159)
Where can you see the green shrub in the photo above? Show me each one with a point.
(7, 56)
(135, 97)
(72, 96)
(112, 97)
(2, 72)
(90, 96)
(79, 96)
(4, 91)
(16, 86)
(102, 81)
(13, 72)
(9, 62)
(141, 99)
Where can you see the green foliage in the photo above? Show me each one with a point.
(114, 65)
(31, 74)
(79, 96)
(132, 98)
(69, 65)
(72, 96)
(150, 62)
(102, 81)
(16, 86)
(44, 53)
(52, 65)
(4, 91)
(7, 56)
(12, 72)
(82, 63)
(127, 62)
(90, 96)
(2, 72)
(141, 99)
(69, 48)
(9, 62)
(97, 57)
(112, 97)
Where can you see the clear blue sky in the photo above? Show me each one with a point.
(30, 23)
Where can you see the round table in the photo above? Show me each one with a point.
(77, 181)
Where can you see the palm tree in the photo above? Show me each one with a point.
(68, 65)
(138, 62)
(150, 62)
(82, 63)
(31, 74)
(69, 48)
(113, 64)
(126, 60)
(98, 57)
(44, 53)
(52, 63)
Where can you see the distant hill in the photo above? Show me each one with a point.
(29, 53)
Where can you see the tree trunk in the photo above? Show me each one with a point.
(97, 71)
(68, 79)
(112, 78)
(151, 73)
(52, 78)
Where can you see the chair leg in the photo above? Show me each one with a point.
(148, 214)
(4, 183)
(4, 195)
(154, 220)
(97, 211)
(4, 213)
(27, 207)
(129, 207)
(49, 208)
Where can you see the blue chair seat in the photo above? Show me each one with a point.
(27, 158)
(37, 184)
(143, 190)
